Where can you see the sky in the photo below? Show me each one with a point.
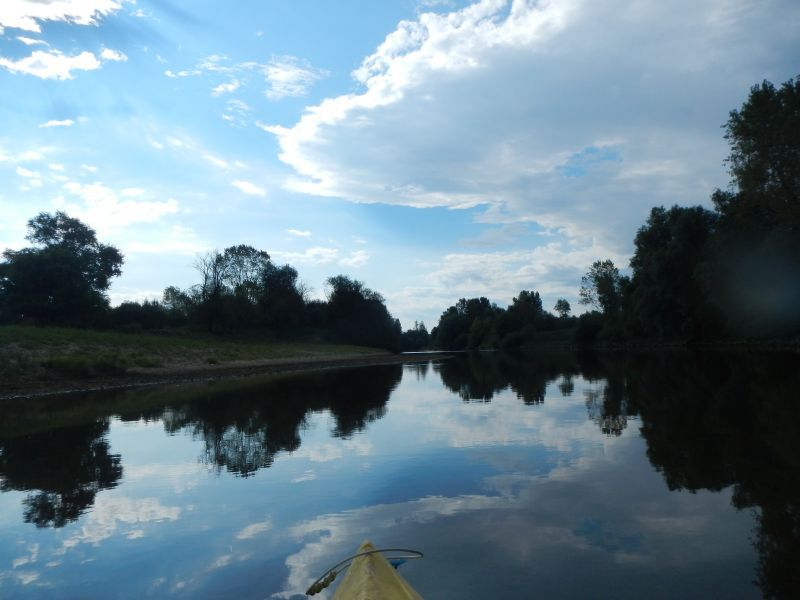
(433, 149)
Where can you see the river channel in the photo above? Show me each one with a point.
(553, 475)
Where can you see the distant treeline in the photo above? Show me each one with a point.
(696, 274)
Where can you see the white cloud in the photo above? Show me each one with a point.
(56, 167)
(113, 55)
(110, 512)
(217, 162)
(226, 88)
(542, 112)
(356, 259)
(55, 123)
(28, 14)
(299, 232)
(178, 240)
(236, 112)
(31, 41)
(23, 172)
(108, 210)
(51, 65)
(249, 188)
(290, 76)
(312, 256)
(553, 269)
(254, 529)
(30, 155)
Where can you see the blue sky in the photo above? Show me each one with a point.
(432, 149)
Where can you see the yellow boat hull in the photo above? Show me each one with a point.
(371, 577)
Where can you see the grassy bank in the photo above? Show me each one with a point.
(41, 354)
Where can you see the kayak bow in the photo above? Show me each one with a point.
(370, 577)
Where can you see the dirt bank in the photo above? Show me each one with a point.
(199, 372)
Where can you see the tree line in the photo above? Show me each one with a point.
(63, 279)
(696, 274)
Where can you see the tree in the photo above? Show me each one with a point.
(63, 278)
(753, 273)
(416, 338)
(281, 298)
(358, 314)
(457, 328)
(230, 284)
(765, 159)
(563, 308)
(667, 300)
(244, 269)
(602, 287)
(214, 271)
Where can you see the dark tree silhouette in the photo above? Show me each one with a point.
(62, 278)
(667, 300)
(64, 469)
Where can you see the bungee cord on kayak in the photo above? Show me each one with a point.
(330, 575)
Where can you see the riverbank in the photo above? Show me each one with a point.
(43, 361)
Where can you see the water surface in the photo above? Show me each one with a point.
(647, 475)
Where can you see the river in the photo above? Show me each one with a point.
(661, 474)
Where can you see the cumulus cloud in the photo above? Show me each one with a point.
(107, 209)
(226, 88)
(575, 115)
(247, 187)
(299, 232)
(28, 14)
(51, 65)
(113, 55)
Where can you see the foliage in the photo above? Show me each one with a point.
(602, 287)
(666, 297)
(63, 278)
(562, 307)
(358, 315)
(416, 338)
(753, 274)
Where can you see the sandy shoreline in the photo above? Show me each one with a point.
(195, 373)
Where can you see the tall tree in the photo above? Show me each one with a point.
(602, 287)
(754, 273)
(666, 298)
(63, 278)
(358, 314)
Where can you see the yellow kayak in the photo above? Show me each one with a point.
(369, 577)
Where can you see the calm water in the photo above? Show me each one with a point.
(654, 475)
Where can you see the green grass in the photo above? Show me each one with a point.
(41, 353)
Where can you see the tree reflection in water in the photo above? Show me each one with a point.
(63, 468)
(711, 420)
(246, 424)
